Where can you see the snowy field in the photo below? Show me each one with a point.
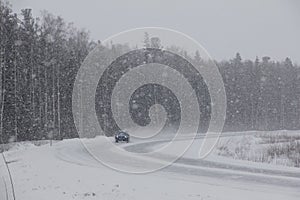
(280, 148)
(277, 147)
(67, 171)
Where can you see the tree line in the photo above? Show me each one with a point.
(39, 60)
(261, 94)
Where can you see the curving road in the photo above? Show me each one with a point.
(188, 167)
(228, 171)
(67, 170)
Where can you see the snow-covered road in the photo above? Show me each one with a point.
(6, 190)
(67, 171)
(226, 169)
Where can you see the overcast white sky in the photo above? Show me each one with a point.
(223, 27)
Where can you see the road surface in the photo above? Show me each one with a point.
(6, 190)
(67, 170)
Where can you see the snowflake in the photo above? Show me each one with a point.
(263, 79)
(134, 106)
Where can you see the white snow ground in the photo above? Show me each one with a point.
(67, 171)
(6, 190)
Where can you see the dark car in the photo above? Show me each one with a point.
(122, 136)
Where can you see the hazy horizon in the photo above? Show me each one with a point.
(252, 28)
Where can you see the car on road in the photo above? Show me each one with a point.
(122, 136)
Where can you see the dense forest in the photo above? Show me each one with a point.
(39, 61)
(40, 58)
